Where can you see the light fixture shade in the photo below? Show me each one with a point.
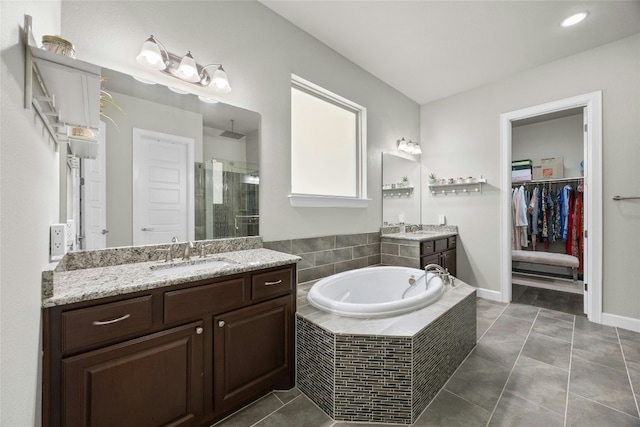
(150, 55)
(416, 148)
(402, 145)
(187, 70)
(220, 81)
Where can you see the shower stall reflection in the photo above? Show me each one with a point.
(226, 202)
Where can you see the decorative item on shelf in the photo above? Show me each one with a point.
(154, 55)
(405, 181)
(107, 100)
(57, 44)
(408, 147)
(433, 178)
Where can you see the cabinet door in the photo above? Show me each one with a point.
(431, 259)
(253, 351)
(151, 381)
(448, 261)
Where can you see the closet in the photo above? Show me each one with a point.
(548, 210)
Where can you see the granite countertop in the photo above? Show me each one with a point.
(100, 282)
(421, 235)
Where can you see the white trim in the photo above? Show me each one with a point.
(592, 103)
(316, 201)
(489, 294)
(628, 323)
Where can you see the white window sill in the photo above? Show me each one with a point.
(315, 201)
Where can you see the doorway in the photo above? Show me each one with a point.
(592, 105)
(163, 187)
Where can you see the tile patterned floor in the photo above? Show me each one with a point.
(532, 367)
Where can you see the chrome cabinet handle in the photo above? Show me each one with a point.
(221, 323)
(199, 330)
(147, 228)
(277, 282)
(104, 231)
(108, 322)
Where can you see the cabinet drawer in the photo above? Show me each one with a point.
(105, 323)
(194, 302)
(269, 284)
(451, 242)
(441, 245)
(427, 248)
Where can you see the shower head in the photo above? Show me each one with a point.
(231, 133)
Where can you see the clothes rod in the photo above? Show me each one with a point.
(548, 181)
(616, 198)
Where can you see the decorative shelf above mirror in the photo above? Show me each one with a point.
(65, 92)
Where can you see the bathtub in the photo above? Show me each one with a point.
(376, 292)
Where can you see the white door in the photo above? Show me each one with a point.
(163, 202)
(94, 213)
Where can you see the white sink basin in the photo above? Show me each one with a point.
(189, 266)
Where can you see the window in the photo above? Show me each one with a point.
(328, 148)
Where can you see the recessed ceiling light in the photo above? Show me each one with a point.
(574, 19)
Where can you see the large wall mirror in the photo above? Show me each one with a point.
(401, 190)
(168, 165)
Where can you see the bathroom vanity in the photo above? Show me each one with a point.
(186, 348)
(418, 248)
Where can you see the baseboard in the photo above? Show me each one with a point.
(629, 323)
(489, 294)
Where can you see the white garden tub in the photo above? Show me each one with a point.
(376, 292)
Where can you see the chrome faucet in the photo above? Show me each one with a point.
(186, 255)
(203, 249)
(443, 273)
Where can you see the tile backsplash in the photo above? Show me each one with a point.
(327, 255)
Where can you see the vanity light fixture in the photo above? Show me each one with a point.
(408, 147)
(574, 19)
(155, 56)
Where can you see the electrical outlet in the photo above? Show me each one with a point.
(71, 234)
(442, 220)
(58, 242)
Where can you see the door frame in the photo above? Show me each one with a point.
(592, 104)
(138, 134)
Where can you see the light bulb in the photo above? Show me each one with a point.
(220, 80)
(188, 70)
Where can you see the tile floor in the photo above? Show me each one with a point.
(531, 367)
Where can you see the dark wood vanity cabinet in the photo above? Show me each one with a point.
(185, 355)
(441, 252)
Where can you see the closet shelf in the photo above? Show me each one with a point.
(65, 92)
(467, 187)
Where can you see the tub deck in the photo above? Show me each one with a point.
(383, 370)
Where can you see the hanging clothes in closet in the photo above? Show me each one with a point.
(548, 213)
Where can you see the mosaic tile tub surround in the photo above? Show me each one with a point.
(383, 370)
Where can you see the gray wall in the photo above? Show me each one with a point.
(558, 137)
(260, 51)
(28, 204)
(462, 136)
(142, 114)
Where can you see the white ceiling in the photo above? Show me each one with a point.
(434, 49)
